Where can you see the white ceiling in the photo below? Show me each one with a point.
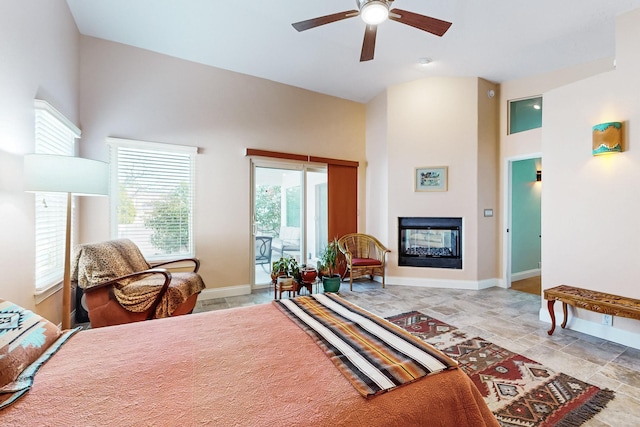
(498, 40)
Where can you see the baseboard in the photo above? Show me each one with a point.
(608, 333)
(525, 274)
(440, 283)
(229, 291)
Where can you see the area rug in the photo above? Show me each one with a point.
(519, 391)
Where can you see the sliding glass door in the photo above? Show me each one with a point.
(289, 215)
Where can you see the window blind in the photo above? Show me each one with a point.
(152, 196)
(54, 134)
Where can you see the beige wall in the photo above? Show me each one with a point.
(590, 207)
(439, 122)
(487, 185)
(131, 93)
(578, 189)
(528, 144)
(38, 59)
(378, 171)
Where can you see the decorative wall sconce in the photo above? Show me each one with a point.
(538, 176)
(607, 138)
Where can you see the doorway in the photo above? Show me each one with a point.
(523, 238)
(289, 215)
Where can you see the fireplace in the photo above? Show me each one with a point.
(430, 242)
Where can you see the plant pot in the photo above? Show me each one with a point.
(331, 284)
(309, 275)
(276, 274)
(286, 282)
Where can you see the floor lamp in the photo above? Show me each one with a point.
(74, 176)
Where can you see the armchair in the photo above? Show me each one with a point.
(288, 240)
(120, 286)
(365, 255)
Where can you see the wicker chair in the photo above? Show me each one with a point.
(365, 255)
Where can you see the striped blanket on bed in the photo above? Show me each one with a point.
(375, 355)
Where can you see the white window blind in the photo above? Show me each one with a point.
(54, 134)
(152, 196)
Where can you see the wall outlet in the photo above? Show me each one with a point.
(607, 319)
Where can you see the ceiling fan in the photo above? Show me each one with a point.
(374, 12)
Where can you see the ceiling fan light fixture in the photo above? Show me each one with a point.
(374, 12)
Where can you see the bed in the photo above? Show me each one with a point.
(249, 366)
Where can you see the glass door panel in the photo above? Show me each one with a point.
(277, 213)
(289, 215)
(316, 218)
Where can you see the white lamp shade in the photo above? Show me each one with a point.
(65, 174)
(374, 12)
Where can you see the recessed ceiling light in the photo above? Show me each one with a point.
(425, 61)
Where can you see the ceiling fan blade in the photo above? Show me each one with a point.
(322, 20)
(421, 22)
(369, 43)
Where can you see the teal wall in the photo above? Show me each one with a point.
(525, 215)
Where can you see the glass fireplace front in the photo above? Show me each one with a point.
(430, 242)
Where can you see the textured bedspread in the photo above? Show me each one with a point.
(248, 367)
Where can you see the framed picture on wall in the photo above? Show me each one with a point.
(432, 178)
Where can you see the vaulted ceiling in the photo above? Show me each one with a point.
(498, 40)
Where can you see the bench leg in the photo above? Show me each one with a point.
(564, 311)
(553, 316)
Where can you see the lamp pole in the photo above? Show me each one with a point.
(66, 280)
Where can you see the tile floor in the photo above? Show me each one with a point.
(510, 319)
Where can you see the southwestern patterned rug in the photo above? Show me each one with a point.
(519, 391)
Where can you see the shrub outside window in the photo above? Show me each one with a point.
(152, 196)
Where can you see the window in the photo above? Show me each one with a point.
(54, 134)
(152, 196)
(525, 114)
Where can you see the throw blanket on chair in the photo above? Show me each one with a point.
(100, 262)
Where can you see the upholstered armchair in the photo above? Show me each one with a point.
(120, 286)
(365, 255)
(288, 240)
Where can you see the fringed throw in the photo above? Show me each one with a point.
(373, 354)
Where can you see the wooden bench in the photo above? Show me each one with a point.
(589, 300)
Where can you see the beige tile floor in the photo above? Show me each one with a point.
(510, 319)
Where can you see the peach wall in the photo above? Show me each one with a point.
(487, 186)
(590, 209)
(131, 93)
(529, 143)
(378, 171)
(436, 122)
(39, 45)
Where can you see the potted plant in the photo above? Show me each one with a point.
(285, 269)
(294, 270)
(308, 274)
(279, 268)
(330, 261)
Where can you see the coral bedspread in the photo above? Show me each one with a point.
(247, 366)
